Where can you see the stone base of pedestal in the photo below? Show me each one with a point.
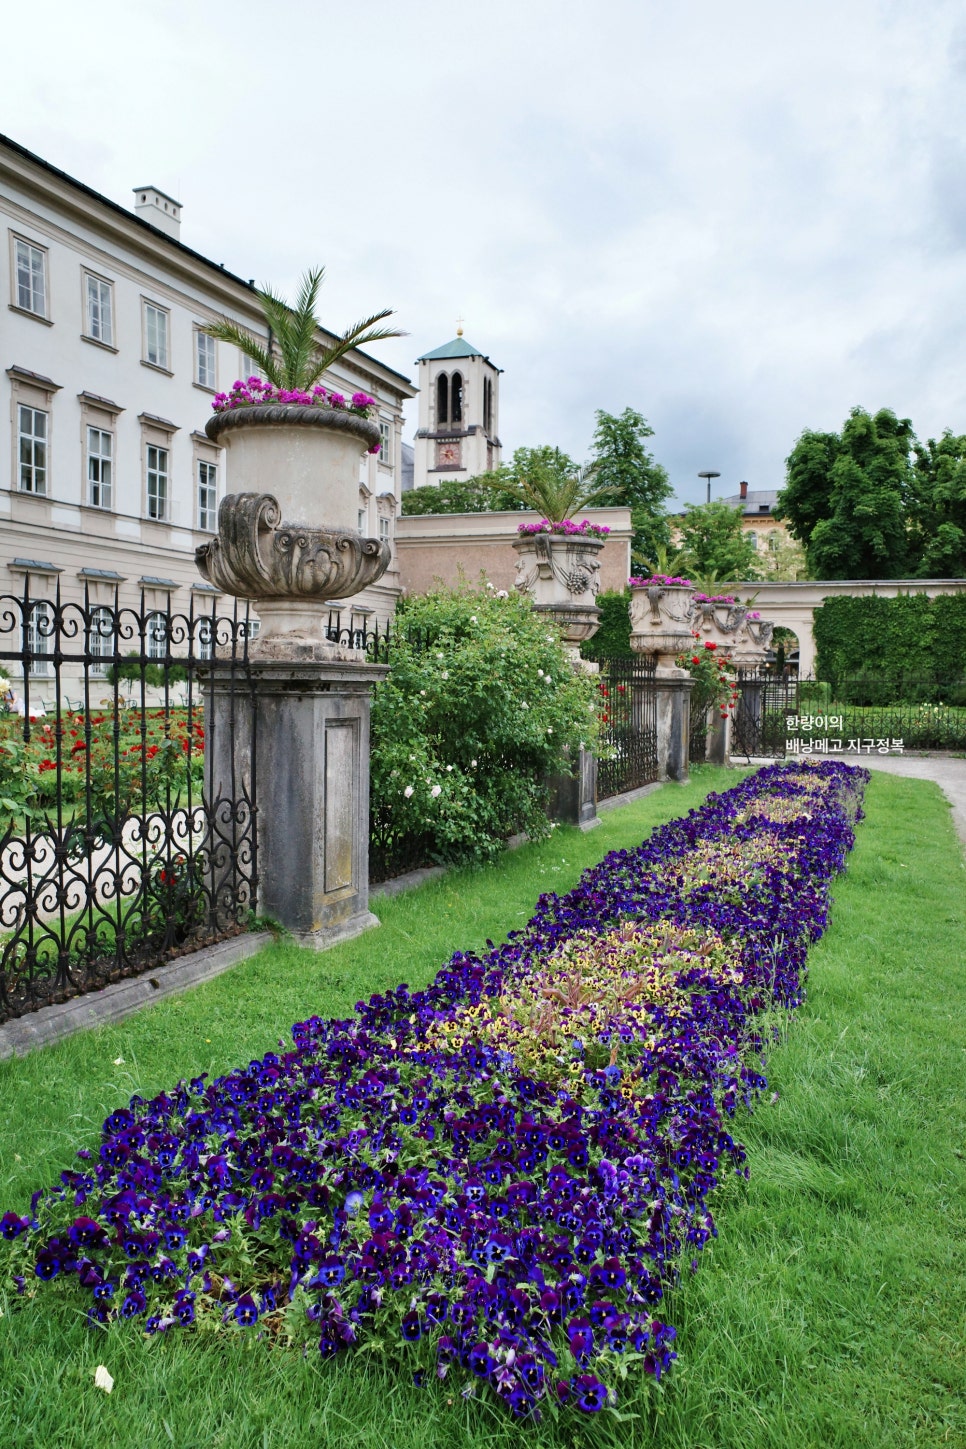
(674, 688)
(573, 798)
(306, 757)
(718, 750)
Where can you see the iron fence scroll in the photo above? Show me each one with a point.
(112, 855)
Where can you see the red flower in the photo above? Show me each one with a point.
(695, 659)
(710, 644)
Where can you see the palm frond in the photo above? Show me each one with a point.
(228, 331)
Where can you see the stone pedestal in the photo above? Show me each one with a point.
(573, 798)
(718, 750)
(674, 688)
(304, 755)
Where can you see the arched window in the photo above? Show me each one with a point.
(442, 400)
(752, 538)
(456, 398)
(487, 405)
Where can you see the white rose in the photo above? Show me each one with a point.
(408, 791)
(444, 674)
(549, 729)
(502, 594)
(539, 673)
(436, 790)
(449, 769)
(472, 764)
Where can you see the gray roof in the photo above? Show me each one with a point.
(759, 501)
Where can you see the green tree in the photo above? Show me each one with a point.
(715, 544)
(939, 507)
(452, 495)
(621, 462)
(548, 481)
(848, 494)
(294, 357)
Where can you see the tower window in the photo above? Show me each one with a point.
(442, 400)
(487, 405)
(456, 398)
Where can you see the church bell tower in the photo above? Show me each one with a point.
(459, 392)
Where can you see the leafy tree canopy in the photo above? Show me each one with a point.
(715, 545)
(939, 506)
(622, 462)
(850, 497)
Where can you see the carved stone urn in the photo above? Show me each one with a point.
(561, 574)
(718, 621)
(292, 549)
(661, 621)
(752, 642)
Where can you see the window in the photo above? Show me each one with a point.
(156, 636)
(774, 541)
(32, 426)
(207, 497)
(442, 400)
(384, 529)
(363, 520)
(40, 635)
(100, 310)
(100, 448)
(752, 538)
(204, 634)
(155, 335)
(456, 398)
(249, 367)
(487, 405)
(385, 451)
(100, 640)
(31, 268)
(204, 360)
(157, 461)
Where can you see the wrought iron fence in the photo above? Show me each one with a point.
(112, 856)
(779, 714)
(628, 756)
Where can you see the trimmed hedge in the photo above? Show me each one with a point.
(906, 639)
(613, 638)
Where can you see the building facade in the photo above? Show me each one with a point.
(108, 482)
(459, 414)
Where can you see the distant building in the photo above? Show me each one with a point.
(110, 482)
(757, 521)
(459, 407)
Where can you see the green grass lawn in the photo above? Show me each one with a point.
(831, 1311)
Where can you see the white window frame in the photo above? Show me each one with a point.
(156, 319)
(29, 265)
(39, 641)
(32, 472)
(207, 483)
(362, 519)
(100, 467)
(100, 640)
(157, 481)
(99, 309)
(385, 532)
(385, 452)
(156, 635)
(249, 367)
(206, 360)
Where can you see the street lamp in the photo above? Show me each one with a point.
(709, 474)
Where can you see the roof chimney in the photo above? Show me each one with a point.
(159, 209)
(743, 491)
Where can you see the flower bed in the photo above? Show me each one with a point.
(500, 1174)
(253, 392)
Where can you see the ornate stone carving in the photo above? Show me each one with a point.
(718, 621)
(258, 556)
(557, 569)
(661, 621)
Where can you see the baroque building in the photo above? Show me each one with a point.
(459, 406)
(108, 482)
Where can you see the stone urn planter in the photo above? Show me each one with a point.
(293, 549)
(752, 642)
(660, 614)
(717, 619)
(560, 572)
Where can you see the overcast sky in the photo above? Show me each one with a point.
(741, 219)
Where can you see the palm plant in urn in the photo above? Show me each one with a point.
(287, 537)
(558, 562)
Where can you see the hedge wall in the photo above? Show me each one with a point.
(613, 638)
(910, 638)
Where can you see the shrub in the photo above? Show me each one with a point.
(613, 637)
(480, 704)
